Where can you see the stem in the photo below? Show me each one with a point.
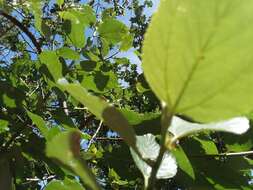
(165, 123)
(95, 134)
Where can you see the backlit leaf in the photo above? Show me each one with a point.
(196, 57)
(68, 154)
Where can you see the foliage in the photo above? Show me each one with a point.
(77, 113)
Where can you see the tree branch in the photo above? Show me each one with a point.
(230, 154)
(95, 134)
(23, 29)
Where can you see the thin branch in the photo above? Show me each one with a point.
(109, 139)
(38, 179)
(165, 123)
(95, 134)
(230, 154)
(23, 28)
(111, 56)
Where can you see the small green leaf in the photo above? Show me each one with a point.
(68, 53)
(68, 154)
(88, 65)
(51, 60)
(126, 43)
(195, 61)
(135, 118)
(4, 126)
(113, 30)
(75, 23)
(39, 122)
(74, 27)
(60, 2)
(183, 161)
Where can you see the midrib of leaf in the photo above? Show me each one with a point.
(199, 58)
(191, 73)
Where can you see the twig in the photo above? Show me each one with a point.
(230, 154)
(111, 56)
(23, 28)
(95, 134)
(109, 138)
(31, 93)
(165, 123)
(38, 179)
(65, 108)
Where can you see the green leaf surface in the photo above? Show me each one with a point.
(4, 126)
(39, 122)
(126, 43)
(113, 30)
(75, 23)
(68, 53)
(196, 57)
(66, 184)
(183, 161)
(135, 118)
(51, 60)
(60, 2)
(68, 154)
(101, 109)
(99, 81)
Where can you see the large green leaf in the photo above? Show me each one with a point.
(101, 109)
(197, 57)
(68, 154)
